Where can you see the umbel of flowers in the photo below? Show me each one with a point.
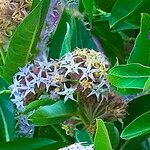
(80, 76)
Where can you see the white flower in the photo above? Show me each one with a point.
(24, 71)
(78, 146)
(18, 101)
(29, 87)
(49, 82)
(44, 66)
(72, 67)
(68, 92)
(88, 72)
(67, 59)
(100, 89)
(37, 79)
(14, 89)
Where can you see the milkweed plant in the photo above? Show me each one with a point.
(74, 75)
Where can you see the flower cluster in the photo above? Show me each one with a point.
(12, 13)
(80, 75)
(78, 146)
(82, 70)
(33, 79)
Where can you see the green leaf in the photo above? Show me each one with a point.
(22, 43)
(77, 32)
(83, 37)
(58, 37)
(147, 85)
(133, 143)
(108, 40)
(141, 50)
(137, 107)
(122, 9)
(126, 91)
(101, 140)
(53, 114)
(145, 145)
(130, 76)
(54, 146)
(66, 45)
(36, 104)
(26, 143)
(34, 4)
(128, 24)
(88, 5)
(113, 134)
(105, 5)
(83, 136)
(3, 84)
(139, 126)
(54, 132)
(7, 121)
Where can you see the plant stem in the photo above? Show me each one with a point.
(82, 115)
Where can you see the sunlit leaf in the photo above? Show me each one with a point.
(139, 126)
(131, 76)
(54, 114)
(102, 140)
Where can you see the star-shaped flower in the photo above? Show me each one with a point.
(49, 82)
(99, 90)
(88, 72)
(37, 79)
(68, 92)
(15, 87)
(29, 87)
(44, 66)
(67, 59)
(18, 101)
(25, 70)
(72, 67)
